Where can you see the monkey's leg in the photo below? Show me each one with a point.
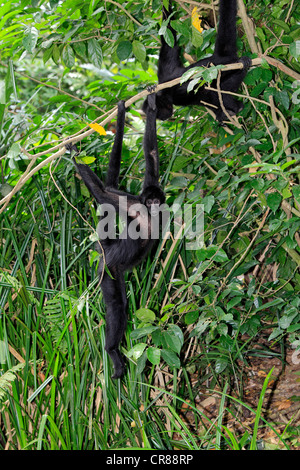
(114, 294)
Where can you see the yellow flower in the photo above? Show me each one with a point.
(196, 20)
(98, 128)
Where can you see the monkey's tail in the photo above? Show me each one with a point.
(226, 38)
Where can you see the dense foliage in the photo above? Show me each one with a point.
(191, 312)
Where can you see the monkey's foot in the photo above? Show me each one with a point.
(151, 88)
(118, 363)
(72, 147)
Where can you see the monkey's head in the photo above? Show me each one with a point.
(152, 197)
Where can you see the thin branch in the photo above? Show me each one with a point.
(281, 66)
(248, 27)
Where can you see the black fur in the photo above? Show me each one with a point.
(170, 67)
(124, 252)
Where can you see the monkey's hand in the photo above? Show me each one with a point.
(72, 148)
(246, 61)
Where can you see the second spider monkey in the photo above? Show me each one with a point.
(121, 254)
(170, 67)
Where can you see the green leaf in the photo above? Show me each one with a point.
(95, 52)
(193, 83)
(282, 97)
(218, 254)
(267, 305)
(234, 301)
(14, 151)
(286, 193)
(124, 50)
(197, 37)
(208, 202)
(211, 73)
(276, 332)
(68, 56)
(296, 192)
(80, 49)
(285, 321)
(221, 365)
(260, 34)
(190, 73)
(191, 317)
(141, 332)
(145, 315)
(30, 39)
(180, 27)
(294, 49)
(139, 51)
(141, 362)
(287, 164)
(136, 351)
(176, 331)
(153, 355)
(273, 201)
(168, 37)
(56, 54)
(282, 25)
(222, 329)
(202, 325)
(47, 54)
(157, 337)
(87, 160)
(170, 341)
(94, 256)
(171, 358)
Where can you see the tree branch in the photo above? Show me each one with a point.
(248, 27)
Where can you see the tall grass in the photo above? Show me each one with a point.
(55, 385)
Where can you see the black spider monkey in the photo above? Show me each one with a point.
(121, 254)
(170, 67)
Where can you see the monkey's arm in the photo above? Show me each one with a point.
(113, 172)
(150, 144)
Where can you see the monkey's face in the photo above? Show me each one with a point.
(152, 198)
(153, 206)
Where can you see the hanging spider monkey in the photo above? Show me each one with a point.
(170, 67)
(121, 254)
